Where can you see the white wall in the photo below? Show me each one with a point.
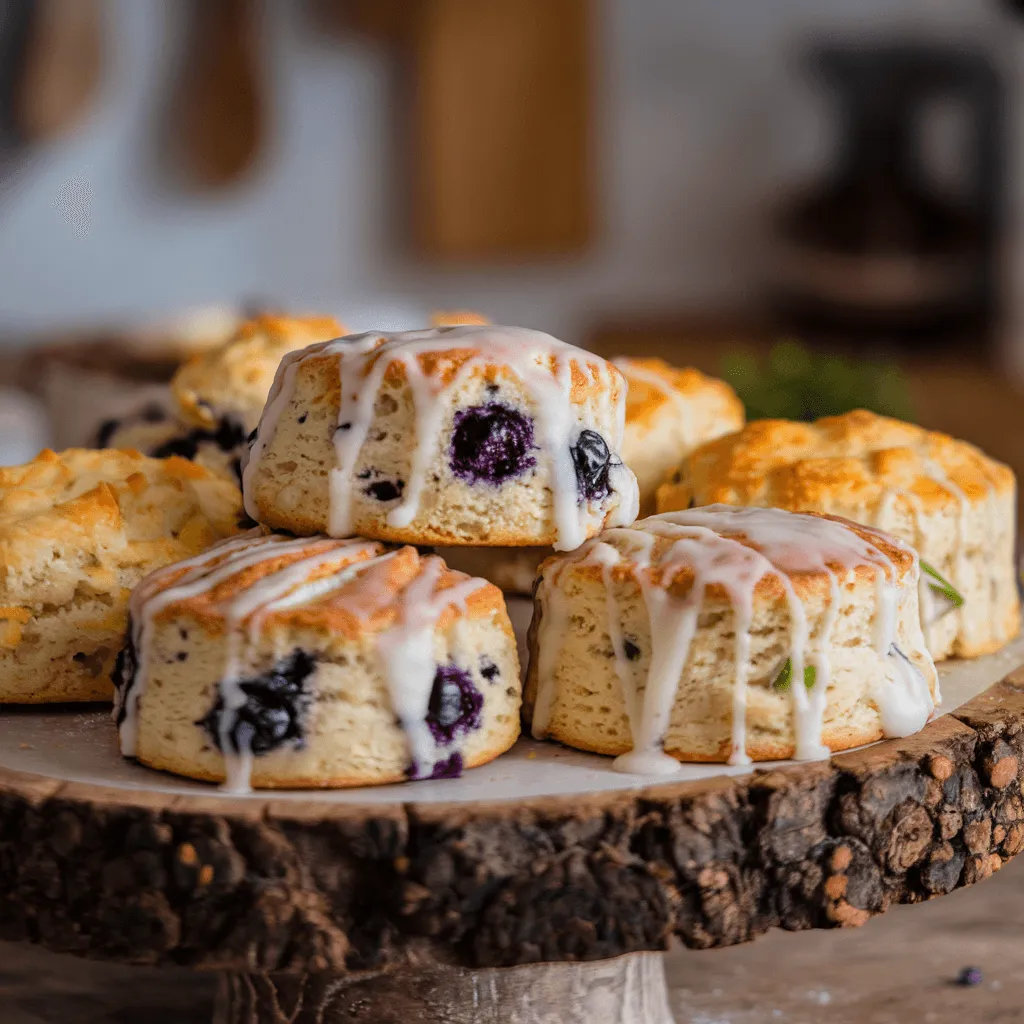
(705, 122)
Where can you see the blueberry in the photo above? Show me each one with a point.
(488, 669)
(593, 462)
(106, 432)
(125, 667)
(302, 418)
(630, 649)
(491, 444)
(449, 768)
(455, 704)
(969, 977)
(274, 711)
(385, 490)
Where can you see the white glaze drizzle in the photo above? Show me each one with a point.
(405, 649)
(541, 363)
(704, 539)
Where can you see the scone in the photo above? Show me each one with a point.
(276, 662)
(78, 530)
(669, 412)
(726, 633)
(216, 397)
(955, 505)
(473, 435)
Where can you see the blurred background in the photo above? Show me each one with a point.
(821, 199)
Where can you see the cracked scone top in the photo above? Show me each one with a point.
(727, 633)
(78, 530)
(316, 662)
(454, 435)
(955, 505)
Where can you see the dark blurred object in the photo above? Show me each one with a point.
(59, 68)
(15, 24)
(498, 107)
(795, 383)
(879, 248)
(221, 107)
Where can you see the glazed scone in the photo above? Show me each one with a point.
(669, 412)
(275, 662)
(683, 638)
(473, 435)
(231, 383)
(955, 505)
(78, 530)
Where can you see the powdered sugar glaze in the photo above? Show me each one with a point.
(324, 568)
(542, 364)
(705, 540)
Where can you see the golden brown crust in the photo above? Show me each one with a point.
(645, 400)
(236, 377)
(457, 318)
(849, 460)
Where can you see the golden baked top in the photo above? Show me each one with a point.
(853, 461)
(655, 385)
(347, 586)
(456, 318)
(735, 550)
(235, 378)
(100, 519)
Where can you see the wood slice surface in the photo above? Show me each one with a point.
(270, 883)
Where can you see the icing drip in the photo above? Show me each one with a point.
(705, 541)
(542, 364)
(406, 648)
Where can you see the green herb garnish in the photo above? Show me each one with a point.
(785, 677)
(941, 585)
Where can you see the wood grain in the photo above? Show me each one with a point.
(270, 885)
(501, 164)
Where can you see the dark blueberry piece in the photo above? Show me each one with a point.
(492, 389)
(274, 711)
(969, 977)
(182, 655)
(303, 418)
(450, 768)
(385, 490)
(455, 704)
(630, 649)
(125, 667)
(593, 461)
(491, 443)
(344, 426)
(488, 669)
(106, 432)
(253, 434)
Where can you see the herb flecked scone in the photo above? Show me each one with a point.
(729, 634)
(216, 397)
(78, 530)
(273, 661)
(472, 435)
(955, 505)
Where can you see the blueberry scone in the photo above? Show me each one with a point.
(216, 397)
(955, 505)
(473, 435)
(669, 412)
(279, 662)
(78, 530)
(726, 633)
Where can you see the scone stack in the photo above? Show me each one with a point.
(330, 656)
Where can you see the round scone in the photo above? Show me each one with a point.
(473, 435)
(669, 412)
(276, 662)
(78, 530)
(726, 633)
(955, 505)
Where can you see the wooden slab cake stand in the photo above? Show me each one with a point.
(533, 889)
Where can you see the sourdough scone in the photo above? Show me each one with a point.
(669, 412)
(78, 530)
(472, 435)
(732, 634)
(955, 505)
(275, 662)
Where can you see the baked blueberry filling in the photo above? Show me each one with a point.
(593, 462)
(455, 704)
(488, 669)
(449, 768)
(123, 677)
(274, 711)
(151, 412)
(385, 490)
(491, 443)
